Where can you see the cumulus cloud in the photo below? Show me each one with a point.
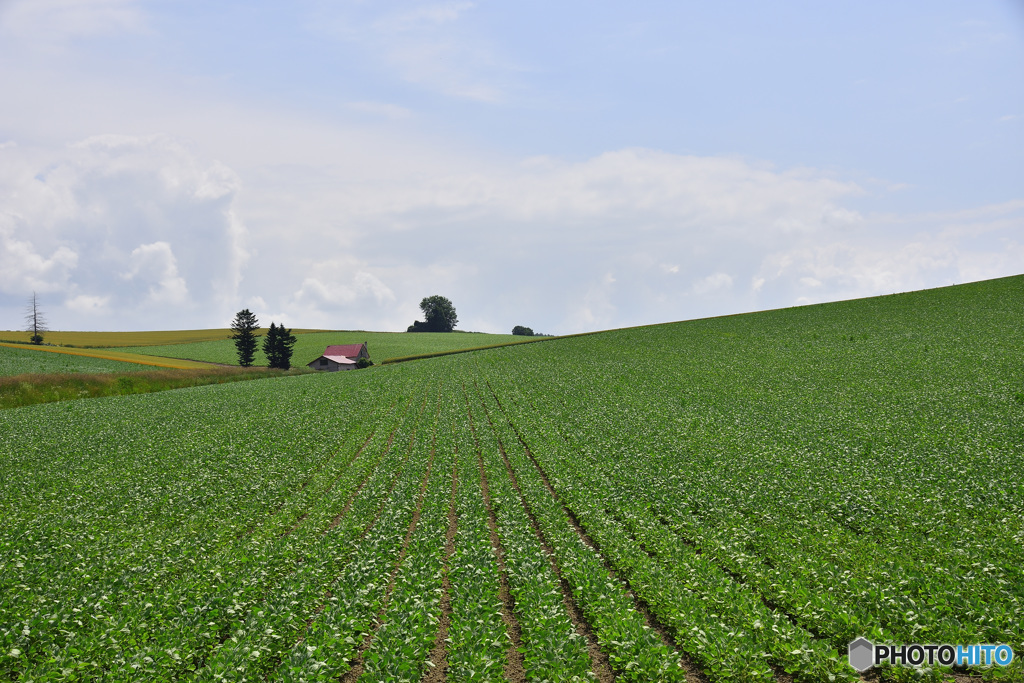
(712, 284)
(353, 207)
(899, 253)
(122, 228)
(340, 292)
(596, 310)
(119, 225)
(155, 267)
(23, 267)
(627, 237)
(545, 234)
(88, 305)
(336, 288)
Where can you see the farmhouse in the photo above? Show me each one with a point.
(340, 357)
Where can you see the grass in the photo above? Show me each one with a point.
(20, 361)
(111, 355)
(381, 345)
(122, 339)
(30, 389)
(770, 486)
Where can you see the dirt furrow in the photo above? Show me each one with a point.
(330, 487)
(377, 513)
(599, 660)
(355, 494)
(515, 672)
(693, 671)
(356, 671)
(438, 660)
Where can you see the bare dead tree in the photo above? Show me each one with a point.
(35, 321)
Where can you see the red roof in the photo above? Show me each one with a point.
(347, 350)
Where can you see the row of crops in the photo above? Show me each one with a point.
(734, 499)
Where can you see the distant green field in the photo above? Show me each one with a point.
(381, 345)
(23, 361)
(119, 339)
(732, 499)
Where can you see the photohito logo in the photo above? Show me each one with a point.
(864, 654)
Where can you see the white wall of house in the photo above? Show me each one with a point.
(328, 365)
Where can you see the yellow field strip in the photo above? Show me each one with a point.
(156, 338)
(157, 361)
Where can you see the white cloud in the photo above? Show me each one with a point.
(688, 190)
(712, 284)
(596, 309)
(560, 246)
(155, 266)
(89, 305)
(354, 207)
(538, 240)
(430, 14)
(841, 217)
(382, 109)
(339, 294)
(337, 287)
(841, 271)
(23, 268)
(900, 253)
(49, 23)
(427, 44)
(137, 226)
(257, 303)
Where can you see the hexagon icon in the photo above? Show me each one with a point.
(862, 654)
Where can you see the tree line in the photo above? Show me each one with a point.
(277, 343)
(439, 316)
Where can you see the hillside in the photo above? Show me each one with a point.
(125, 339)
(736, 498)
(309, 346)
(19, 361)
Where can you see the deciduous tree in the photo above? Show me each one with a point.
(35, 321)
(439, 314)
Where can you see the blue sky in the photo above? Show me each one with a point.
(570, 167)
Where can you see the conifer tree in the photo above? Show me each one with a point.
(277, 347)
(244, 328)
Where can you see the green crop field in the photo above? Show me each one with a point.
(731, 499)
(309, 346)
(126, 339)
(15, 361)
